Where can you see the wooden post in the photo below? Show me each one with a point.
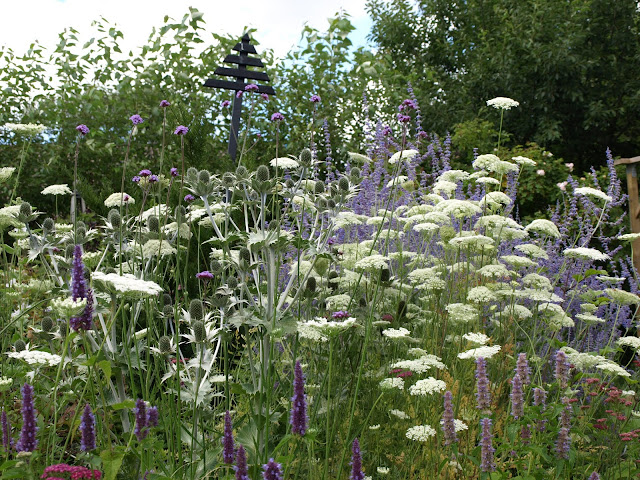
(634, 204)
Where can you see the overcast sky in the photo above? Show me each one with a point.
(279, 22)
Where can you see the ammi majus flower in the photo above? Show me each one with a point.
(502, 103)
(62, 189)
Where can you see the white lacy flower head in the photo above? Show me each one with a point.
(589, 318)
(582, 360)
(481, 294)
(338, 302)
(486, 162)
(503, 167)
(517, 261)
(372, 262)
(495, 200)
(484, 352)
(532, 250)
(585, 253)
(62, 189)
(426, 227)
(535, 280)
(29, 129)
(399, 413)
(377, 220)
(545, 227)
(359, 158)
(460, 313)
(391, 383)
(155, 247)
(478, 338)
(622, 297)
(494, 271)
(613, 369)
(459, 425)
(593, 192)
(426, 278)
(420, 365)
(437, 217)
(35, 357)
(157, 210)
(383, 470)
(453, 176)
(419, 209)
(525, 161)
(396, 180)
(488, 181)
(502, 103)
(67, 307)
(344, 219)
(517, 311)
(629, 237)
(632, 342)
(458, 208)
(117, 199)
(420, 433)
(497, 222)
(6, 172)
(396, 332)
(405, 155)
(126, 285)
(284, 162)
(608, 279)
(444, 186)
(473, 241)
(325, 327)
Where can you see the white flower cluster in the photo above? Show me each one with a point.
(404, 155)
(532, 250)
(117, 199)
(517, 261)
(420, 365)
(155, 247)
(398, 413)
(494, 271)
(520, 160)
(426, 279)
(502, 103)
(391, 383)
(458, 208)
(462, 313)
(428, 386)
(126, 284)
(372, 262)
(593, 192)
(622, 297)
(420, 433)
(480, 294)
(320, 328)
(479, 338)
(613, 369)
(544, 227)
(6, 172)
(585, 253)
(396, 332)
(484, 352)
(633, 342)
(284, 162)
(67, 307)
(62, 189)
(35, 357)
(30, 129)
(629, 237)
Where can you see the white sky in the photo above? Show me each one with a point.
(278, 22)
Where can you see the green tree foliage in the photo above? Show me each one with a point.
(569, 63)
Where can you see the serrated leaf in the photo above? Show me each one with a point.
(111, 462)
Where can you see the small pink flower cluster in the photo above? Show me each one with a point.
(74, 473)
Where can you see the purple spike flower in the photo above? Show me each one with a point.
(594, 476)
(228, 446)
(298, 418)
(140, 411)
(7, 441)
(80, 291)
(563, 443)
(486, 447)
(87, 430)
(483, 397)
(540, 398)
(525, 434)
(448, 423)
(272, 470)
(152, 417)
(517, 397)
(567, 412)
(562, 369)
(241, 469)
(523, 369)
(28, 442)
(356, 462)
(136, 119)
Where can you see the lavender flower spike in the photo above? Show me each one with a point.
(594, 476)
(272, 470)
(28, 442)
(517, 397)
(241, 469)
(87, 430)
(563, 444)
(448, 423)
(356, 462)
(80, 291)
(140, 411)
(298, 418)
(562, 369)
(483, 397)
(228, 446)
(523, 369)
(486, 447)
(7, 441)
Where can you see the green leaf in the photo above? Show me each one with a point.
(105, 366)
(126, 404)
(111, 462)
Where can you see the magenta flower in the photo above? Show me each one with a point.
(204, 275)
(225, 104)
(277, 117)
(408, 104)
(239, 94)
(83, 129)
(189, 198)
(386, 131)
(174, 171)
(252, 87)
(315, 98)
(164, 103)
(181, 130)
(136, 119)
(264, 96)
(144, 173)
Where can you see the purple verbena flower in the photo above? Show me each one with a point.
(356, 462)
(87, 430)
(164, 103)
(523, 369)
(386, 131)
(144, 172)
(153, 178)
(225, 104)
(204, 275)
(517, 397)
(402, 118)
(315, 98)
(486, 447)
(174, 172)
(228, 446)
(136, 179)
(189, 198)
(340, 314)
(28, 441)
(277, 117)
(181, 130)
(239, 94)
(82, 129)
(136, 119)
(448, 423)
(594, 476)
(298, 418)
(251, 87)
(264, 96)
(483, 397)
(272, 470)
(241, 469)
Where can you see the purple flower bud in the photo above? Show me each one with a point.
(264, 96)
(448, 423)
(356, 462)
(7, 441)
(174, 172)
(241, 469)
(298, 418)
(486, 447)
(315, 98)
(272, 470)
(402, 118)
(277, 117)
(87, 430)
(225, 104)
(136, 119)
(164, 103)
(189, 198)
(144, 173)
(483, 396)
(83, 129)
(252, 87)
(562, 369)
(181, 130)
(140, 411)
(228, 446)
(517, 397)
(523, 370)
(28, 442)
(525, 434)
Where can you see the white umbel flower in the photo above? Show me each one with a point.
(420, 433)
(502, 103)
(6, 172)
(428, 386)
(484, 352)
(593, 192)
(585, 253)
(35, 357)
(404, 155)
(629, 237)
(622, 297)
(478, 338)
(127, 284)
(613, 369)
(116, 199)
(29, 129)
(525, 161)
(396, 332)
(62, 189)
(633, 342)
(545, 227)
(372, 262)
(392, 383)
(284, 162)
